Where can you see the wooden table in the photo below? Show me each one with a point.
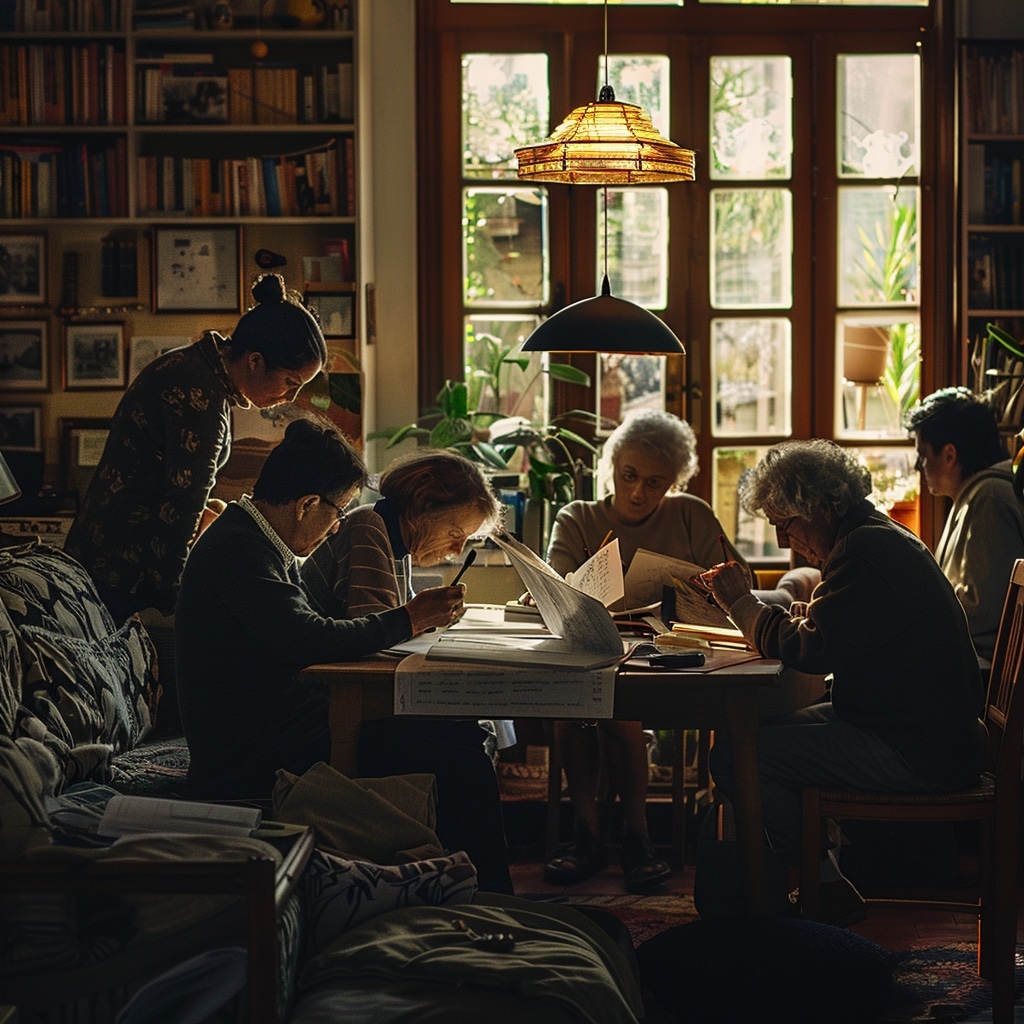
(726, 698)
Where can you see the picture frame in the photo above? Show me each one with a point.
(143, 349)
(21, 428)
(94, 356)
(193, 93)
(196, 269)
(334, 304)
(24, 355)
(82, 440)
(23, 269)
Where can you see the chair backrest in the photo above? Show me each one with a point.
(1004, 703)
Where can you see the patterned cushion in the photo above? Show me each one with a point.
(43, 586)
(10, 674)
(103, 690)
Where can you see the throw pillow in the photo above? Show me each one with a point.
(340, 893)
(10, 674)
(43, 586)
(104, 691)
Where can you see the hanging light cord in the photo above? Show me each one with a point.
(607, 93)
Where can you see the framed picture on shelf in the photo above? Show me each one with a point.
(142, 350)
(22, 269)
(94, 356)
(81, 445)
(190, 95)
(24, 355)
(196, 270)
(21, 428)
(335, 304)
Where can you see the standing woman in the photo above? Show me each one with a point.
(652, 453)
(149, 498)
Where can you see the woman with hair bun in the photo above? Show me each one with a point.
(149, 498)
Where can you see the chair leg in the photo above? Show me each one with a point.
(678, 799)
(553, 822)
(810, 855)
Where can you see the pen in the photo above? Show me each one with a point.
(725, 547)
(470, 559)
(607, 537)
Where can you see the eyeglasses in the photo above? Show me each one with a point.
(340, 512)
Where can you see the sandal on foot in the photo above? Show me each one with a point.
(643, 868)
(576, 862)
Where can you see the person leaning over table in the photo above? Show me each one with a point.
(170, 436)
(901, 710)
(431, 503)
(244, 626)
(961, 456)
(652, 456)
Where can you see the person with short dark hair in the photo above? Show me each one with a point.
(244, 627)
(170, 436)
(431, 503)
(901, 710)
(961, 456)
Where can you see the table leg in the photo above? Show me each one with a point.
(741, 722)
(345, 715)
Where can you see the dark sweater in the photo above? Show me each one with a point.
(885, 622)
(243, 629)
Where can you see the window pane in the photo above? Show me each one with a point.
(505, 104)
(879, 113)
(640, 80)
(505, 246)
(750, 376)
(895, 483)
(751, 248)
(879, 257)
(880, 363)
(751, 117)
(626, 384)
(637, 229)
(752, 535)
(500, 387)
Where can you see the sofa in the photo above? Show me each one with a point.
(102, 934)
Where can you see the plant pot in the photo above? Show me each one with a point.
(865, 352)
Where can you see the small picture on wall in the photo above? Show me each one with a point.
(24, 355)
(22, 269)
(94, 356)
(335, 306)
(21, 428)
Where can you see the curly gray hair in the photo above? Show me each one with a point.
(798, 478)
(662, 435)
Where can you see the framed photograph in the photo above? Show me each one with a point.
(196, 270)
(81, 445)
(194, 95)
(24, 355)
(94, 356)
(143, 350)
(22, 269)
(21, 428)
(335, 305)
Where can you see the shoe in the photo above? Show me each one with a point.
(643, 868)
(577, 861)
(840, 904)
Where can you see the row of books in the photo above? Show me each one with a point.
(994, 180)
(62, 15)
(316, 182)
(62, 84)
(996, 273)
(199, 90)
(995, 91)
(87, 178)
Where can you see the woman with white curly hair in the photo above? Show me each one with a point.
(652, 456)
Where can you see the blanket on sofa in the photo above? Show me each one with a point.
(75, 687)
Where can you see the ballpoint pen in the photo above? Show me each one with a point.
(470, 559)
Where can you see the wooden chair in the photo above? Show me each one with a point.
(994, 802)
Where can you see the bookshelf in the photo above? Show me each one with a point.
(123, 120)
(991, 286)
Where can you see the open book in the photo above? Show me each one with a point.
(580, 630)
(128, 815)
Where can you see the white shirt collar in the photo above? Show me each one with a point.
(271, 534)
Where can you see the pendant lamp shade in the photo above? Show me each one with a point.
(604, 323)
(606, 143)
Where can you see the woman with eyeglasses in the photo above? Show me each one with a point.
(431, 503)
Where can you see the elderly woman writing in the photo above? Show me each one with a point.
(901, 711)
(431, 503)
